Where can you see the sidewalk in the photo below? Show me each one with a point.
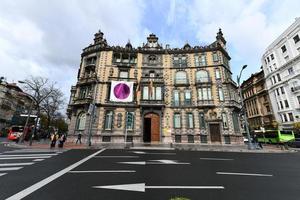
(45, 144)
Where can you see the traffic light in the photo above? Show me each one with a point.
(129, 119)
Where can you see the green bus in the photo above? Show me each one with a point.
(274, 136)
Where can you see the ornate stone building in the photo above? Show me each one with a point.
(182, 95)
(257, 102)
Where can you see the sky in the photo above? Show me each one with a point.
(46, 37)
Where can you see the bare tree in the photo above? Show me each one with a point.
(39, 89)
(52, 104)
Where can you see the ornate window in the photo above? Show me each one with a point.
(204, 93)
(190, 120)
(224, 120)
(221, 94)
(152, 93)
(181, 77)
(177, 120)
(215, 57)
(200, 60)
(80, 124)
(202, 120)
(176, 95)
(235, 120)
(179, 61)
(187, 97)
(202, 76)
(218, 73)
(152, 58)
(119, 120)
(108, 120)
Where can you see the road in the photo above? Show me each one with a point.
(149, 174)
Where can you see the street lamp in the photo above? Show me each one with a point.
(250, 145)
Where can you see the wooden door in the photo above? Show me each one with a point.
(215, 134)
(155, 124)
(154, 135)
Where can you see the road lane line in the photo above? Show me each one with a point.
(104, 171)
(2, 174)
(21, 158)
(10, 168)
(39, 159)
(15, 164)
(24, 155)
(242, 174)
(116, 156)
(221, 159)
(51, 178)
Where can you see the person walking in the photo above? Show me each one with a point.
(78, 138)
(62, 140)
(53, 140)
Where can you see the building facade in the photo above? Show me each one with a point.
(281, 65)
(182, 95)
(13, 103)
(257, 102)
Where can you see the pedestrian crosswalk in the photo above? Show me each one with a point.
(17, 159)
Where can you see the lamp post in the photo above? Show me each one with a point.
(250, 145)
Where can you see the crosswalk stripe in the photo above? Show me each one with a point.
(2, 174)
(24, 155)
(39, 159)
(29, 157)
(35, 151)
(15, 164)
(10, 168)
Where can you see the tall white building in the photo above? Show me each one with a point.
(281, 65)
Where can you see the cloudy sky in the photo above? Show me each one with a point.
(46, 37)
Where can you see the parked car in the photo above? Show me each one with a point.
(15, 132)
(295, 143)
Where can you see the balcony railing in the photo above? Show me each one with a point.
(203, 80)
(205, 103)
(84, 100)
(152, 102)
(124, 62)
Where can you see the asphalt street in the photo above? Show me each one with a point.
(151, 175)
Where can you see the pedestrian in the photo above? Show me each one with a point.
(78, 138)
(53, 140)
(62, 140)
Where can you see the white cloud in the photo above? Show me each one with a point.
(46, 38)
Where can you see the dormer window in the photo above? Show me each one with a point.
(283, 49)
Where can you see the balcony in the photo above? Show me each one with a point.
(232, 103)
(124, 62)
(82, 101)
(144, 102)
(87, 79)
(205, 103)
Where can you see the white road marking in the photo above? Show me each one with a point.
(9, 168)
(35, 151)
(221, 159)
(51, 178)
(39, 159)
(242, 174)
(142, 152)
(2, 174)
(156, 162)
(116, 157)
(15, 164)
(105, 171)
(141, 187)
(24, 155)
(21, 158)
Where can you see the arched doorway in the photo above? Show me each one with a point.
(151, 128)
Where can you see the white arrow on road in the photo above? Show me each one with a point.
(156, 162)
(141, 187)
(142, 152)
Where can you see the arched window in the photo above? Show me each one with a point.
(202, 76)
(80, 124)
(181, 77)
